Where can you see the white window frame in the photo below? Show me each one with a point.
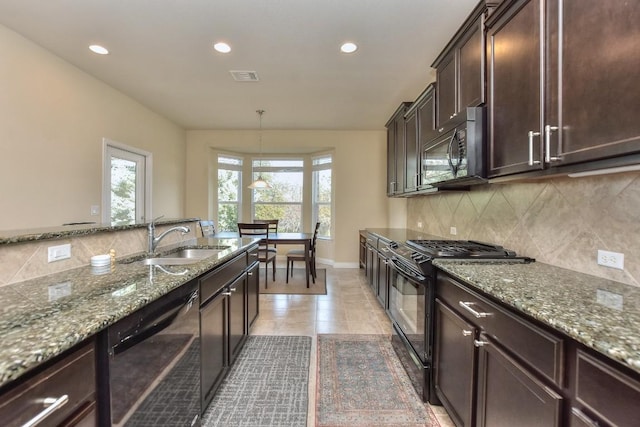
(143, 181)
(237, 168)
(314, 190)
(275, 169)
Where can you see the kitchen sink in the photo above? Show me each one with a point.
(184, 256)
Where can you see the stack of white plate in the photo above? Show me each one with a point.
(100, 260)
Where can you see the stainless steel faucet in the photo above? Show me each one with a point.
(153, 240)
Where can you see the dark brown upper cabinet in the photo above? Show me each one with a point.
(419, 128)
(395, 151)
(562, 96)
(460, 68)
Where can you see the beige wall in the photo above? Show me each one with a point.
(561, 221)
(359, 174)
(53, 117)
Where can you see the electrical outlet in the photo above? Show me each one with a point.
(419, 224)
(60, 252)
(453, 231)
(611, 259)
(95, 210)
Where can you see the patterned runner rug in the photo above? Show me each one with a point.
(267, 385)
(361, 382)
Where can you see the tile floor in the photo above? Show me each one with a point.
(349, 307)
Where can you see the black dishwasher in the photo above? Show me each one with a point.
(154, 363)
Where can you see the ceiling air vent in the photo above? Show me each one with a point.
(244, 76)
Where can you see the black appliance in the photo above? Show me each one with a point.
(154, 363)
(412, 299)
(456, 157)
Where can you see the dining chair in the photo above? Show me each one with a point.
(264, 255)
(299, 255)
(273, 228)
(208, 228)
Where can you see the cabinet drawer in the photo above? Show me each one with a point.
(610, 394)
(540, 349)
(214, 281)
(73, 376)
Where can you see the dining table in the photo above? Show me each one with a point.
(282, 239)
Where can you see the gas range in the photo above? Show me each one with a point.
(418, 254)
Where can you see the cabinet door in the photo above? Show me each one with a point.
(253, 295)
(595, 92)
(383, 281)
(514, 89)
(213, 341)
(391, 159)
(237, 317)
(446, 78)
(454, 364)
(411, 153)
(471, 68)
(399, 156)
(427, 117)
(509, 395)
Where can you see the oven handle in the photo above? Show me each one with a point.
(406, 272)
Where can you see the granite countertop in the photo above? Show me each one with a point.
(602, 314)
(72, 230)
(401, 234)
(41, 318)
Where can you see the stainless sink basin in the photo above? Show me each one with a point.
(194, 253)
(184, 256)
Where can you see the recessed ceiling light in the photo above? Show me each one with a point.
(222, 47)
(348, 47)
(96, 48)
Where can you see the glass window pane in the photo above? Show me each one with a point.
(285, 187)
(324, 216)
(123, 191)
(322, 160)
(228, 216)
(278, 163)
(229, 160)
(228, 185)
(323, 191)
(290, 216)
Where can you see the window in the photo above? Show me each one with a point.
(229, 191)
(322, 194)
(127, 184)
(284, 199)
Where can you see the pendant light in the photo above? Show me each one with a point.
(260, 182)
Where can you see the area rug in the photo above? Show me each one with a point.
(149, 359)
(297, 284)
(267, 385)
(361, 382)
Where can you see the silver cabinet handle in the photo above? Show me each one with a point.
(478, 314)
(531, 135)
(250, 273)
(440, 130)
(52, 404)
(547, 144)
(226, 293)
(254, 255)
(466, 333)
(480, 343)
(232, 289)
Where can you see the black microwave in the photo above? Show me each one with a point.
(456, 157)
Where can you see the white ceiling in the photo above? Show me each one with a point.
(162, 55)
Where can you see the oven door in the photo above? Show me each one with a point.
(408, 306)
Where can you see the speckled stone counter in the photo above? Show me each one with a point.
(599, 313)
(41, 318)
(400, 234)
(72, 230)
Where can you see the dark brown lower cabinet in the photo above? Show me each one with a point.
(253, 295)
(69, 384)
(604, 395)
(455, 362)
(214, 345)
(237, 327)
(491, 366)
(509, 394)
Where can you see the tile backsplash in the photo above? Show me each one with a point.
(560, 221)
(24, 261)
